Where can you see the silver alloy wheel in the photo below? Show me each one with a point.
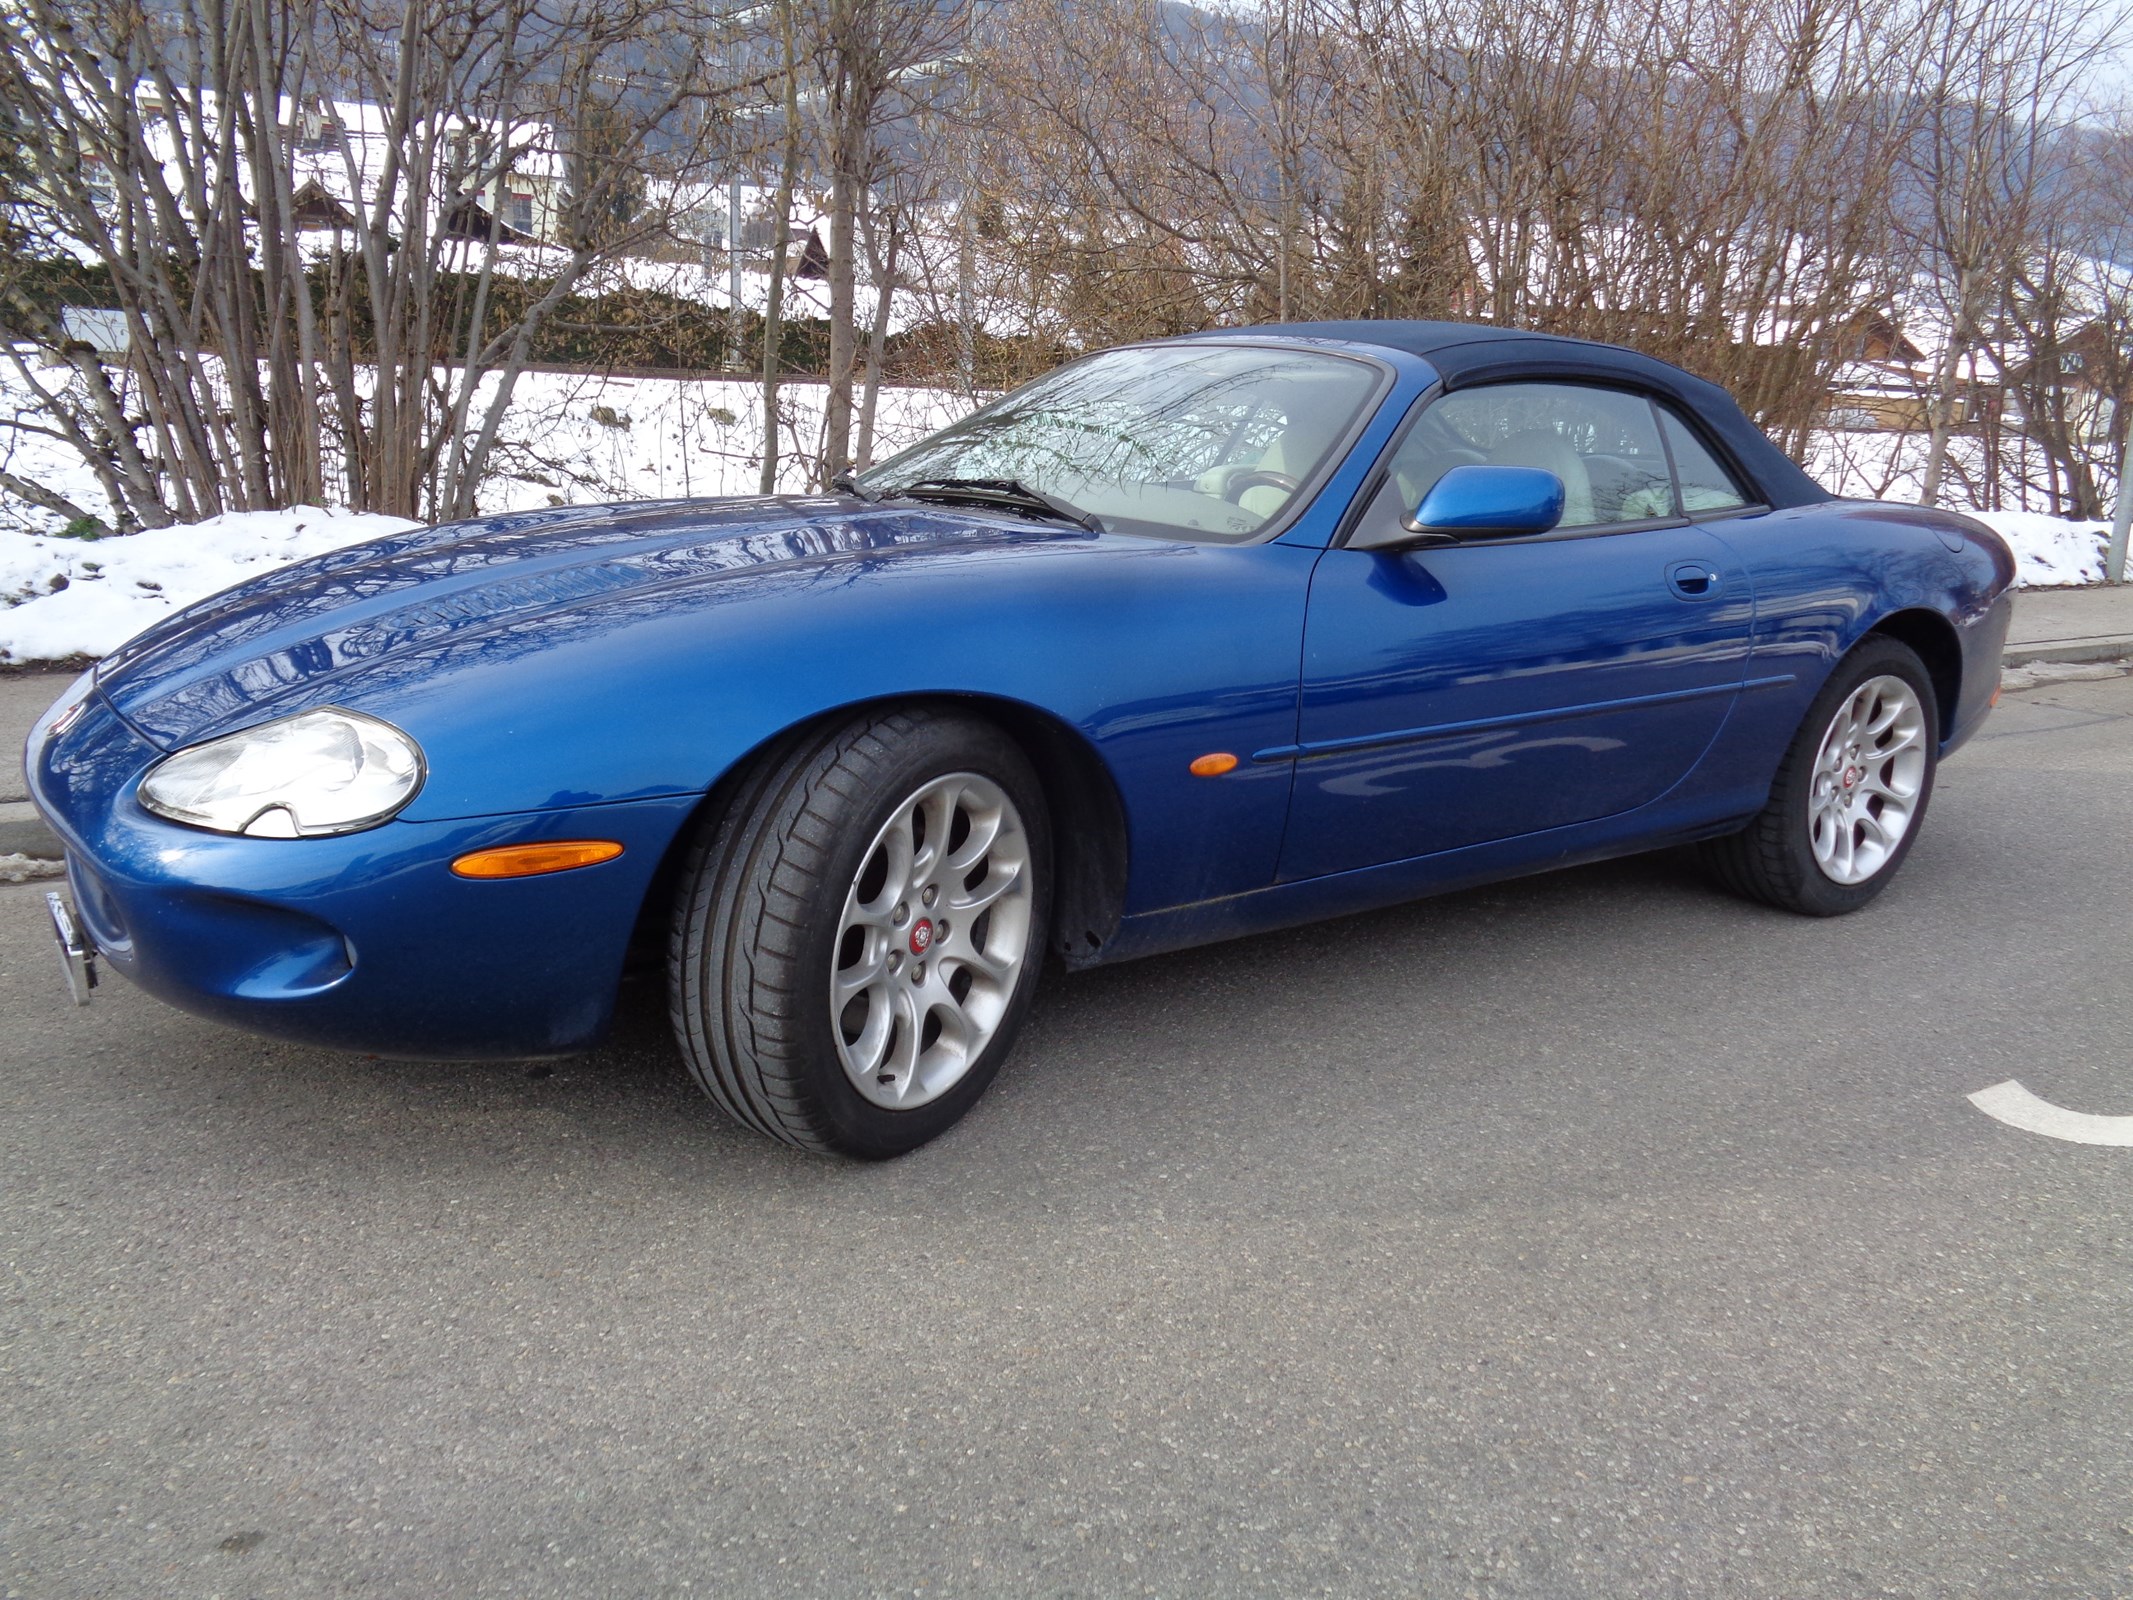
(935, 931)
(1867, 779)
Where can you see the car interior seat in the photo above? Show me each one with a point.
(1263, 500)
(1550, 452)
(1629, 488)
(1300, 443)
(1415, 475)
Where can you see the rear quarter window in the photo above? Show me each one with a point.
(1705, 485)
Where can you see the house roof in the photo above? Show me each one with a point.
(315, 208)
(468, 218)
(1467, 353)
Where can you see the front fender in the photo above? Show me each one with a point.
(1153, 653)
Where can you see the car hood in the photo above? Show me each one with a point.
(219, 661)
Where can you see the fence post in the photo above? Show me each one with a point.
(2114, 561)
(733, 268)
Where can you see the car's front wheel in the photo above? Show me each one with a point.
(858, 933)
(1851, 793)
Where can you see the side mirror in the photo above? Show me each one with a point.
(1479, 502)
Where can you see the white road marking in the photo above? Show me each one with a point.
(2018, 1108)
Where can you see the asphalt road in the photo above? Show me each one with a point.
(1594, 1235)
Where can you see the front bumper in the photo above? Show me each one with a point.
(365, 941)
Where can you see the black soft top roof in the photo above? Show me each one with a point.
(1467, 353)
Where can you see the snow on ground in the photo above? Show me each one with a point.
(2050, 550)
(86, 597)
(583, 439)
(29, 452)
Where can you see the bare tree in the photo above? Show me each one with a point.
(1709, 181)
(2062, 342)
(1997, 78)
(299, 212)
(790, 136)
(872, 56)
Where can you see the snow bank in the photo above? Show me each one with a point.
(78, 597)
(2050, 550)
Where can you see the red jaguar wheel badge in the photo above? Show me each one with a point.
(921, 936)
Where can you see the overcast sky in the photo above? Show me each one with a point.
(2115, 81)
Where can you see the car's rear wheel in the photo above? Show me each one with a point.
(1851, 793)
(859, 932)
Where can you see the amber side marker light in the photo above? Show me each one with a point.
(531, 860)
(1213, 766)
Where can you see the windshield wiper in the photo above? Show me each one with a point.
(1011, 492)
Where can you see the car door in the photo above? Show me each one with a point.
(1455, 694)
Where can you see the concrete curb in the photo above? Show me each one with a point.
(23, 833)
(2104, 647)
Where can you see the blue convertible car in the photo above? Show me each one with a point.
(1182, 641)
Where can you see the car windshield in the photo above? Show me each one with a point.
(1204, 441)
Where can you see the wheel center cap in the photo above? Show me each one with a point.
(1851, 776)
(921, 936)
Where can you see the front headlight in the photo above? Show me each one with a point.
(318, 772)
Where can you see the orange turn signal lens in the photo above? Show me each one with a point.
(1214, 765)
(531, 860)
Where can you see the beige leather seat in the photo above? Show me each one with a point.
(1292, 452)
(1217, 481)
(1548, 450)
(1415, 474)
(1265, 500)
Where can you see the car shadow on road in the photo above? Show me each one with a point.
(1150, 1037)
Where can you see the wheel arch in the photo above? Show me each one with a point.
(1932, 638)
(1090, 854)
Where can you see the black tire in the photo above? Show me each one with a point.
(1771, 859)
(756, 922)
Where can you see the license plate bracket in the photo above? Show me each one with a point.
(77, 951)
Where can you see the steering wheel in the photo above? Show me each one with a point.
(1257, 478)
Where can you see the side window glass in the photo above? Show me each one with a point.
(1705, 485)
(1429, 449)
(1603, 444)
